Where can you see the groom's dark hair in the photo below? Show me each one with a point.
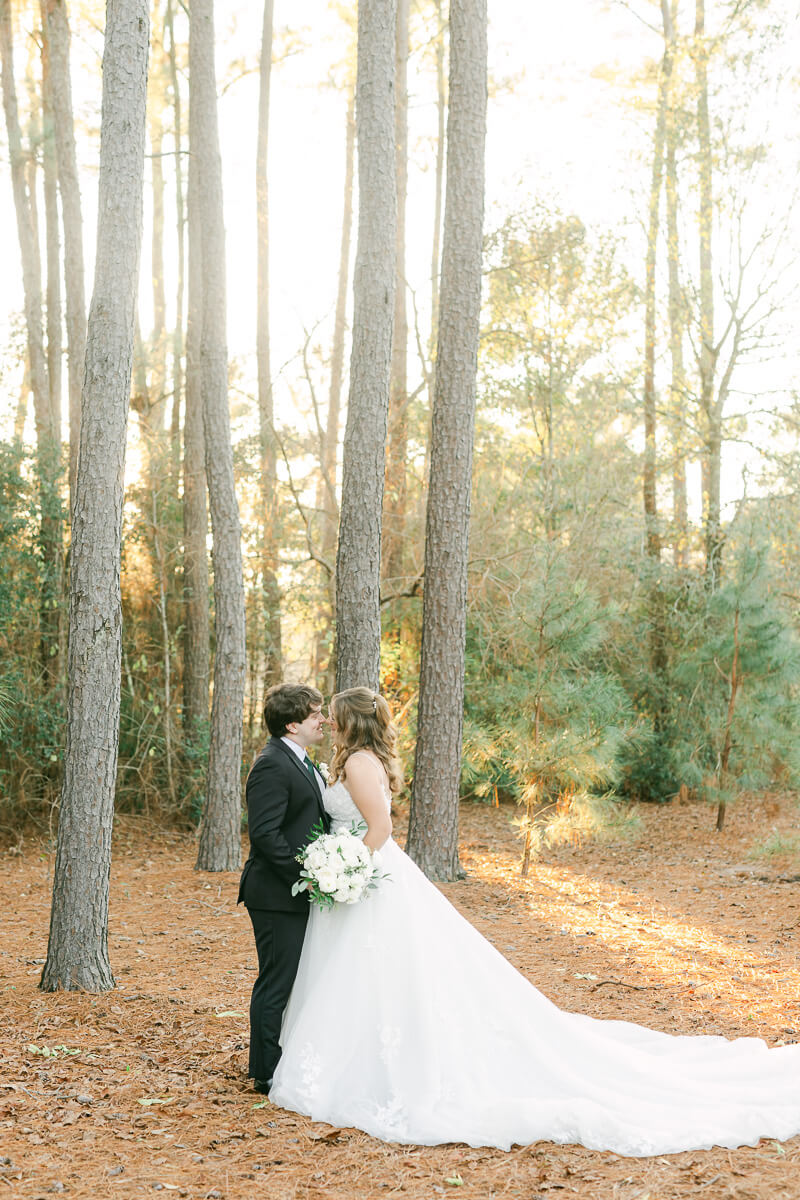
(286, 703)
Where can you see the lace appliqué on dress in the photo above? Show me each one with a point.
(390, 1044)
(391, 1118)
(310, 1070)
(341, 809)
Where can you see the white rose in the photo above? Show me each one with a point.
(327, 881)
(353, 852)
(341, 895)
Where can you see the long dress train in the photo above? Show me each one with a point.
(406, 1023)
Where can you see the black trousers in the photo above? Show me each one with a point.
(279, 941)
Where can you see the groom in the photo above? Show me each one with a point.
(284, 802)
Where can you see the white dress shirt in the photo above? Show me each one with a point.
(302, 755)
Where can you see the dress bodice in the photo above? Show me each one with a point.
(341, 808)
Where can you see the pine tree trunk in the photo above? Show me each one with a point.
(21, 410)
(652, 533)
(358, 618)
(177, 338)
(270, 618)
(734, 683)
(327, 503)
(53, 240)
(220, 836)
(158, 348)
(397, 446)
(441, 111)
(52, 624)
(677, 407)
(196, 623)
(707, 364)
(74, 285)
(45, 413)
(433, 822)
(77, 955)
(657, 634)
(26, 229)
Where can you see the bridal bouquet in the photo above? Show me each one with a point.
(337, 868)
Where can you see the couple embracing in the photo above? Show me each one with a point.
(285, 802)
(394, 1015)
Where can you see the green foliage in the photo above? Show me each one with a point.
(156, 777)
(745, 645)
(545, 719)
(738, 639)
(31, 711)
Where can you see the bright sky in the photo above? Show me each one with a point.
(556, 128)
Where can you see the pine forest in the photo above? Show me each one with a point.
(405, 344)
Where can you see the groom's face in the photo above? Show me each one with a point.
(311, 731)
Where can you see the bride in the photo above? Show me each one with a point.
(406, 1023)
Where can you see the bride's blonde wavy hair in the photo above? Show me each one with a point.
(364, 722)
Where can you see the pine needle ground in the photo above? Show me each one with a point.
(143, 1089)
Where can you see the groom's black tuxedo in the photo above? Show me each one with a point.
(284, 804)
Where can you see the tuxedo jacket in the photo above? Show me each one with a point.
(284, 803)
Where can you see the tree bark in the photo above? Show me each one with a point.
(433, 821)
(652, 533)
(177, 339)
(77, 955)
(31, 266)
(53, 239)
(707, 363)
(158, 343)
(196, 623)
(220, 836)
(441, 112)
(657, 633)
(734, 683)
(271, 612)
(397, 446)
(358, 618)
(677, 407)
(51, 619)
(74, 285)
(327, 502)
(45, 413)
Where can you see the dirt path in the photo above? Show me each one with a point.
(143, 1089)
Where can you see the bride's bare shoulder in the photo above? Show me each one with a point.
(362, 765)
(361, 759)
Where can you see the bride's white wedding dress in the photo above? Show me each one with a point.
(406, 1023)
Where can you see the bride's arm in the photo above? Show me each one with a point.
(363, 784)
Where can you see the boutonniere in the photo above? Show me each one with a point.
(322, 767)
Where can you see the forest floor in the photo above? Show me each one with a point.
(143, 1089)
